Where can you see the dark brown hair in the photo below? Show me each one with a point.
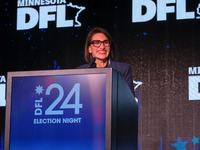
(88, 42)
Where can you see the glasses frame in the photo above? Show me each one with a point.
(93, 43)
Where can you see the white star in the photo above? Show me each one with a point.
(138, 83)
(39, 90)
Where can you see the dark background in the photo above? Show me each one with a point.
(159, 52)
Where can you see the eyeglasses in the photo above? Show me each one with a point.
(97, 43)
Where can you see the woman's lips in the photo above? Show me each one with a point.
(102, 51)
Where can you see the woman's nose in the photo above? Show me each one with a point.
(102, 45)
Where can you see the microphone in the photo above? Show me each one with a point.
(92, 62)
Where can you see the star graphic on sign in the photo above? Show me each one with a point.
(179, 144)
(39, 89)
(195, 140)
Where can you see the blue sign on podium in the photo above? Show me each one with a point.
(57, 111)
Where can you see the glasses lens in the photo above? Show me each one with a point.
(106, 43)
(96, 43)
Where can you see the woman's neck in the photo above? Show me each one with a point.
(101, 63)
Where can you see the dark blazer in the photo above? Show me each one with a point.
(123, 68)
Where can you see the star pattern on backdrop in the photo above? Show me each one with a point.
(195, 140)
(179, 144)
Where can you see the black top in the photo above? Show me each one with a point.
(123, 68)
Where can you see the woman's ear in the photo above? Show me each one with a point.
(89, 50)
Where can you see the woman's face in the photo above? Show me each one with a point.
(100, 47)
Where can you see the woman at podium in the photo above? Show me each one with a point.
(100, 53)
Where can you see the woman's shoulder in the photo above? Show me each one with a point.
(120, 65)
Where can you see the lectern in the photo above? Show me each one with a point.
(76, 109)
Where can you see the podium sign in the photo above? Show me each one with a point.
(60, 109)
